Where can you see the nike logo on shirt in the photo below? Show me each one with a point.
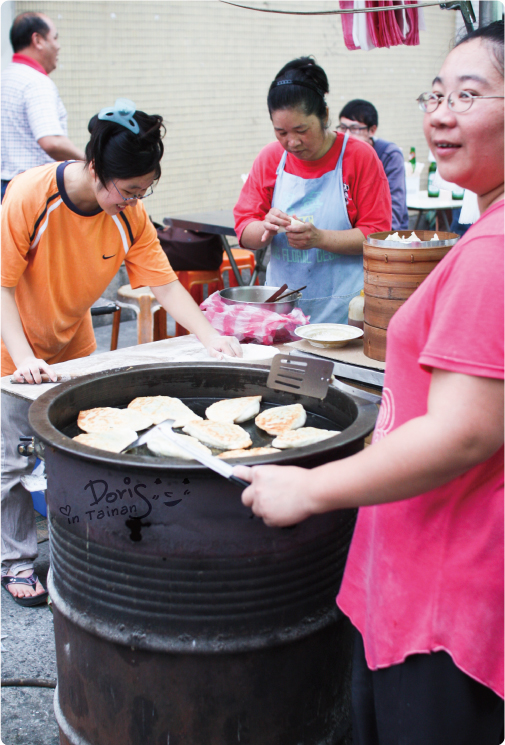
(107, 257)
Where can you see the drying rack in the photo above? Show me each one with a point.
(465, 7)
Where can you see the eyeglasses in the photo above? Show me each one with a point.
(130, 199)
(353, 129)
(457, 101)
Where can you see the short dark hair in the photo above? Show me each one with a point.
(361, 111)
(308, 96)
(492, 35)
(118, 153)
(23, 28)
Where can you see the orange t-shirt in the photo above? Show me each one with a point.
(61, 260)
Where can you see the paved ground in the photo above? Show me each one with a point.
(28, 647)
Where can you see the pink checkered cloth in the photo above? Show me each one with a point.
(252, 324)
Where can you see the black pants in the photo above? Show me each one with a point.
(426, 700)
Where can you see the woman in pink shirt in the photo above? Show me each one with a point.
(423, 584)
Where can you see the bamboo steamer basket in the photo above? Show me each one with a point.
(391, 274)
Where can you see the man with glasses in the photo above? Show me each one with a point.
(360, 119)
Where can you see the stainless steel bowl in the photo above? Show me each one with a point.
(255, 297)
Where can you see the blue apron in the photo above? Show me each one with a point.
(331, 279)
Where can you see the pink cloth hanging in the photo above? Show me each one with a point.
(385, 29)
(347, 23)
(412, 38)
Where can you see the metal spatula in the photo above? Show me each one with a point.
(300, 375)
(215, 464)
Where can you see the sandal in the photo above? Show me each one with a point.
(32, 582)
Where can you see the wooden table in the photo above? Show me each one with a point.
(349, 362)
(222, 223)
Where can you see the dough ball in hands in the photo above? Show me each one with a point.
(296, 223)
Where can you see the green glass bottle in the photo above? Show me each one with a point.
(412, 158)
(458, 192)
(432, 190)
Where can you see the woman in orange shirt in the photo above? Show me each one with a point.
(66, 229)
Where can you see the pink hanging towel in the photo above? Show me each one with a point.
(347, 22)
(412, 37)
(383, 26)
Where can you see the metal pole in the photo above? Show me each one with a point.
(489, 11)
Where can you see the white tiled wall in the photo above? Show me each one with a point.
(206, 67)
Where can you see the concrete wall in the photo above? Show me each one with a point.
(206, 67)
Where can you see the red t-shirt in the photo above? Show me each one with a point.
(366, 187)
(426, 574)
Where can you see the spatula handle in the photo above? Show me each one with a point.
(240, 482)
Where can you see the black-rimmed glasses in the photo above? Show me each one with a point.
(353, 129)
(457, 101)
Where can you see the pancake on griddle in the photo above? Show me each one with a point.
(248, 453)
(113, 440)
(161, 446)
(299, 438)
(281, 418)
(221, 435)
(159, 408)
(105, 417)
(234, 409)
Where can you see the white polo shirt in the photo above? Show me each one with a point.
(31, 109)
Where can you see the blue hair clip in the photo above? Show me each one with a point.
(122, 113)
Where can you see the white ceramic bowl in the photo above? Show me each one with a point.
(253, 353)
(327, 335)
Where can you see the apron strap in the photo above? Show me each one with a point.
(282, 163)
(341, 157)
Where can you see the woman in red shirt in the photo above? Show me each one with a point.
(423, 583)
(335, 185)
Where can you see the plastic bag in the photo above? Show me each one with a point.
(252, 324)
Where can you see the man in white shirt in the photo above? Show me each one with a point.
(34, 119)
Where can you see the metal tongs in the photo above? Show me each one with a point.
(215, 464)
(291, 292)
(279, 296)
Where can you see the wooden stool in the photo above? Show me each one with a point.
(244, 260)
(151, 317)
(194, 282)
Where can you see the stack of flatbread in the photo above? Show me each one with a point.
(113, 429)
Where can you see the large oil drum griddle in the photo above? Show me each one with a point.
(179, 617)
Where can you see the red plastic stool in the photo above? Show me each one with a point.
(194, 282)
(244, 260)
